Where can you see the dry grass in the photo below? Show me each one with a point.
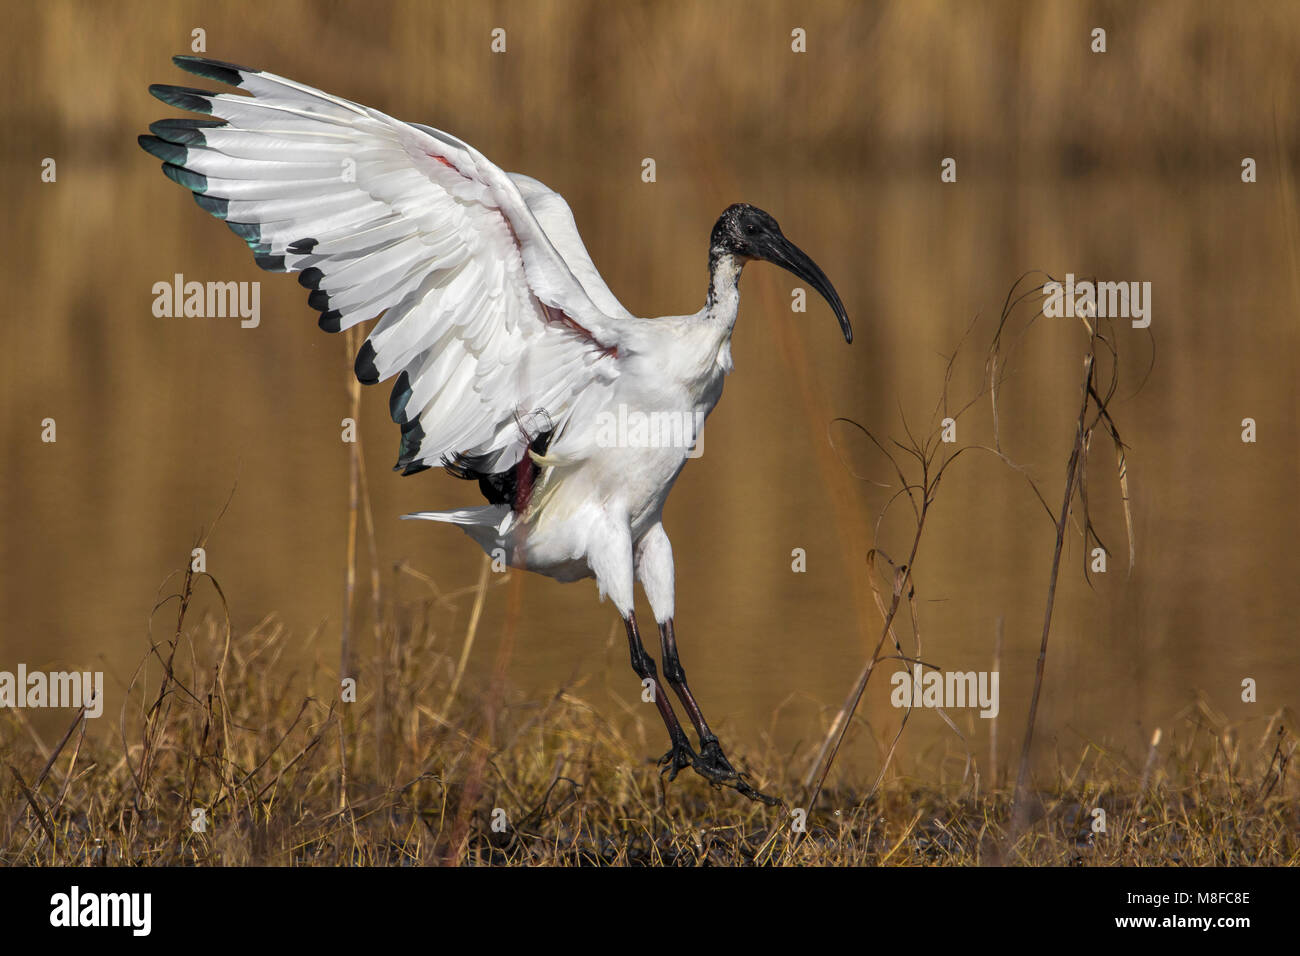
(234, 730)
(419, 766)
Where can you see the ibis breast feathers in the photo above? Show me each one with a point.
(493, 311)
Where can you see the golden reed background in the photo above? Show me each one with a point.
(1124, 165)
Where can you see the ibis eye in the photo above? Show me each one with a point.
(750, 229)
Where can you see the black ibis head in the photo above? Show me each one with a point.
(747, 232)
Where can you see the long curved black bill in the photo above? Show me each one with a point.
(782, 252)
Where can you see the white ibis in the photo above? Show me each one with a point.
(514, 363)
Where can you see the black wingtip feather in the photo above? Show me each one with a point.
(195, 182)
(250, 232)
(183, 97)
(331, 321)
(214, 205)
(218, 70)
(167, 152)
(310, 278)
(401, 395)
(412, 438)
(302, 246)
(367, 373)
(319, 300)
(187, 132)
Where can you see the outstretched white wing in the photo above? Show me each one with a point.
(494, 314)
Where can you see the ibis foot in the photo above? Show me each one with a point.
(714, 763)
(677, 759)
(714, 767)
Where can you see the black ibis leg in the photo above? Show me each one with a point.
(680, 755)
(712, 764)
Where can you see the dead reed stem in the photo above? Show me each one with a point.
(471, 631)
(1071, 476)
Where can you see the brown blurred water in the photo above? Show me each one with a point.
(1123, 165)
